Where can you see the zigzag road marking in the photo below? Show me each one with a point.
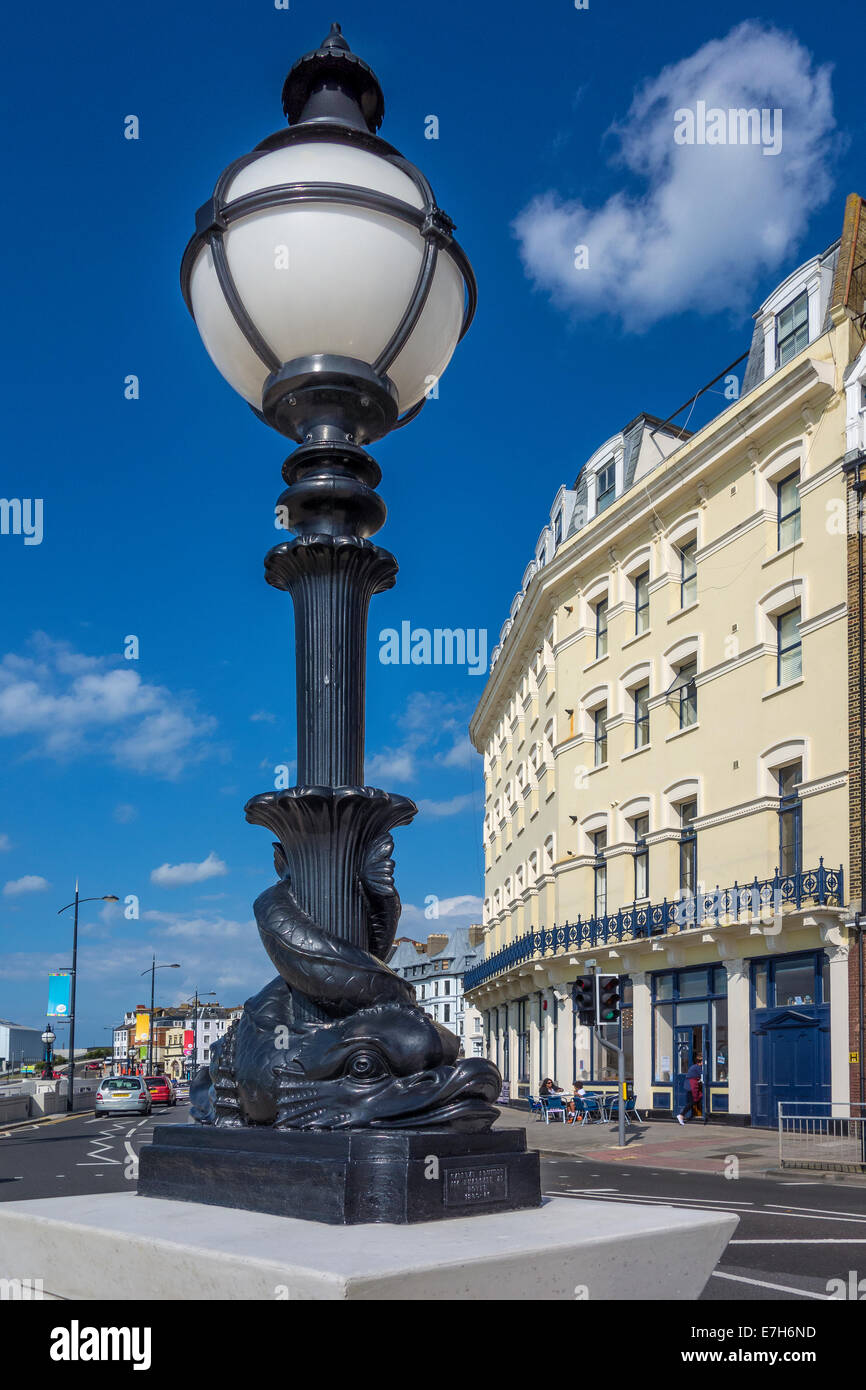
(99, 1149)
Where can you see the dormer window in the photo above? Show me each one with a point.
(557, 529)
(792, 329)
(606, 486)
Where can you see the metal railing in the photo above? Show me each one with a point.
(828, 1135)
(757, 901)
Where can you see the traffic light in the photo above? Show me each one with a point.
(583, 994)
(610, 1002)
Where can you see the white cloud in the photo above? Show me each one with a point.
(124, 813)
(454, 807)
(73, 705)
(263, 716)
(427, 719)
(5, 843)
(171, 875)
(194, 926)
(397, 764)
(460, 754)
(713, 218)
(30, 883)
(450, 912)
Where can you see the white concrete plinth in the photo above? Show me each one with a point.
(123, 1246)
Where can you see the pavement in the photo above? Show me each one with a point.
(664, 1144)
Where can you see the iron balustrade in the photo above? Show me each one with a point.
(822, 887)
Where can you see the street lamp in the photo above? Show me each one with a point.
(70, 1070)
(153, 969)
(330, 292)
(49, 1037)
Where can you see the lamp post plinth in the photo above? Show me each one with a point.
(334, 1076)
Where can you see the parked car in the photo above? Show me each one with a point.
(161, 1089)
(118, 1094)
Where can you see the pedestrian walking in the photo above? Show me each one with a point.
(694, 1092)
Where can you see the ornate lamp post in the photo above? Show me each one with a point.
(49, 1037)
(329, 290)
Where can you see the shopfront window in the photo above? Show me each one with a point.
(791, 981)
(664, 1041)
(694, 999)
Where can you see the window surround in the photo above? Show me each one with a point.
(687, 528)
(772, 605)
(815, 280)
(611, 452)
(588, 704)
(688, 789)
(687, 649)
(781, 755)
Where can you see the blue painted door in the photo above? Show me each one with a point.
(790, 1059)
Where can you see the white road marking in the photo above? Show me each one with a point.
(778, 1288)
(854, 1216)
(576, 1190)
(98, 1155)
(713, 1204)
(825, 1240)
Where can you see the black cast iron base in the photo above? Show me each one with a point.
(347, 1178)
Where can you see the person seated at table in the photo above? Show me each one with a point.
(579, 1090)
(549, 1087)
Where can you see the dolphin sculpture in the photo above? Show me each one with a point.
(336, 1040)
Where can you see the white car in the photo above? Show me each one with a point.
(121, 1094)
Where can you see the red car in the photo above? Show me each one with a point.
(161, 1090)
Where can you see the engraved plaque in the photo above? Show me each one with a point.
(468, 1186)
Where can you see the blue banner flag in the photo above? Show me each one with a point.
(59, 988)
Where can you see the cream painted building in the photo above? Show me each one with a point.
(667, 715)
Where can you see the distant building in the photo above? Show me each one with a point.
(436, 968)
(18, 1044)
(180, 1036)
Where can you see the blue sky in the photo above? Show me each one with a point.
(554, 128)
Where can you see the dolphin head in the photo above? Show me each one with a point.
(386, 1067)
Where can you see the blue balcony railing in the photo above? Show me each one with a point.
(757, 901)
